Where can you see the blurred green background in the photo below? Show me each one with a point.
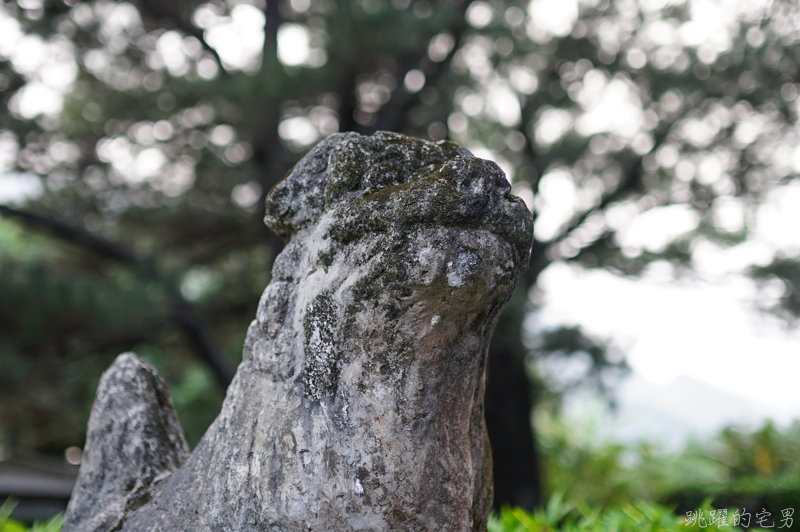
(139, 139)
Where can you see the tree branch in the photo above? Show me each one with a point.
(392, 115)
(197, 33)
(182, 314)
(196, 333)
(273, 20)
(98, 246)
(167, 13)
(541, 258)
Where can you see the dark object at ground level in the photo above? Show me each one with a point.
(39, 485)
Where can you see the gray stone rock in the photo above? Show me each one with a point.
(358, 404)
(134, 441)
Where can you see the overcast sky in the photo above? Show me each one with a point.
(695, 337)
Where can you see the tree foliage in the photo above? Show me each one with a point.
(147, 135)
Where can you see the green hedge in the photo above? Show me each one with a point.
(640, 517)
(754, 493)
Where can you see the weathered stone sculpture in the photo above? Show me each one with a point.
(359, 401)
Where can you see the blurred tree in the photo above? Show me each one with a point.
(141, 139)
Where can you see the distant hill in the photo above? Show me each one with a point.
(683, 408)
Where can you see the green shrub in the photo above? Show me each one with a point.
(772, 493)
(640, 517)
(10, 525)
(763, 471)
(751, 469)
(585, 466)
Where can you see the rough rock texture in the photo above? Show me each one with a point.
(133, 442)
(359, 401)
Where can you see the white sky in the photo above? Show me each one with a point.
(707, 331)
(705, 327)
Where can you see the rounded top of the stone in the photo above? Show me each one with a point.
(376, 181)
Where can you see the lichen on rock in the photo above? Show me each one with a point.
(359, 401)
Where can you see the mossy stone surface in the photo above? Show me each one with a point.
(359, 401)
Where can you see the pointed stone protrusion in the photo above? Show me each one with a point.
(134, 441)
